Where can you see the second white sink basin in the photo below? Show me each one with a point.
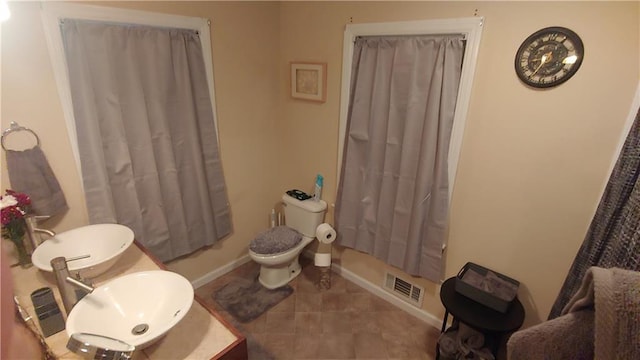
(104, 243)
(137, 308)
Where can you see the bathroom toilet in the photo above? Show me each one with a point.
(278, 265)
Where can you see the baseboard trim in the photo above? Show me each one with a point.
(210, 276)
(377, 290)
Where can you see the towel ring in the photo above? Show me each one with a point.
(14, 127)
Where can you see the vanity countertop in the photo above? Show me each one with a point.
(202, 334)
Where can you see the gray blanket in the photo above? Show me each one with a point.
(601, 321)
(30, 173)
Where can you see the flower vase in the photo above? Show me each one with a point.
(15, 231)
(24, 259)
(14, 208)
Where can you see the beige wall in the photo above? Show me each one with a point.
(533, 163)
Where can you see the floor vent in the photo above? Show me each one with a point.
(403, 289)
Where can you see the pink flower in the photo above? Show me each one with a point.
(14, 207)
(23, 199)
(9, 214)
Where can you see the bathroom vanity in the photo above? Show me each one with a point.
(201, 334)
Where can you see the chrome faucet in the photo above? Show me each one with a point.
(33, 238)
(67, 285)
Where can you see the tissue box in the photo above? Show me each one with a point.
(486, 287)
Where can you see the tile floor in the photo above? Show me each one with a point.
(344, 322)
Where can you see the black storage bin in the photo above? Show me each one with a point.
(482, 296)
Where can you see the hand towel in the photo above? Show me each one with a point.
(470, 337)
(30, 173)
(448, 342)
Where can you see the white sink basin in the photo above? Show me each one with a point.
(148, 302)
(105, 243)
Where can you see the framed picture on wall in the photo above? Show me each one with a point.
(309, 81)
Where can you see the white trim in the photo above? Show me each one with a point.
(216, 273)
(378, 291)
(51, 15)
(470, 27)
(635, 105)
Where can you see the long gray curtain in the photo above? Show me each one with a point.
(393, 197)
(146, 134)
(613, 239)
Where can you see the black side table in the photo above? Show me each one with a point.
(492, 323)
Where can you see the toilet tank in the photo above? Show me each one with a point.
(303, 216)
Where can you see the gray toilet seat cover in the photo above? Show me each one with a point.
(275, 240)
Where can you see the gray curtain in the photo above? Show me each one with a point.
(146, 134)
(613, 239)
(393, 197)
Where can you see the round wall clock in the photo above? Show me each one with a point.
(549, 57)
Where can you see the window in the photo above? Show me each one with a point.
(142, 123)
(400, 138)
(53, 13)
(471, 28)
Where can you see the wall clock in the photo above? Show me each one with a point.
(549, 57)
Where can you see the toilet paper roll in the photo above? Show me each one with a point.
(322, 259)
(325, 233)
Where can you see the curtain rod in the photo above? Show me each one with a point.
(464, 36)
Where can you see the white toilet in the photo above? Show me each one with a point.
(278, 268)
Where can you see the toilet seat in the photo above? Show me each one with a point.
(275, 241)
(278, 269)
(277, 249)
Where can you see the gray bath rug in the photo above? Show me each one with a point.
(246, 299)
